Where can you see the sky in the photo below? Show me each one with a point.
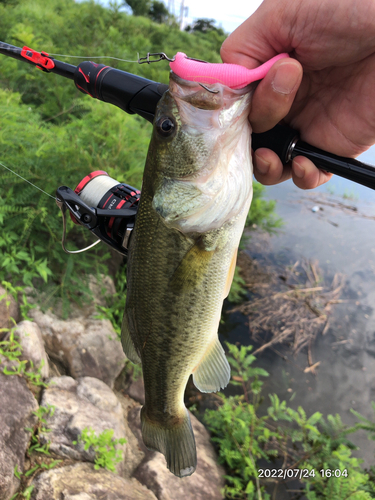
(229, 14)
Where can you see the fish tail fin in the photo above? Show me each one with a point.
(176, 443)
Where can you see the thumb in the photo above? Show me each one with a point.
(253, 42)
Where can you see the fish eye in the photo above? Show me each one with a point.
(166, 126)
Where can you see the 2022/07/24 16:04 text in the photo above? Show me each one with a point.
(301, 473)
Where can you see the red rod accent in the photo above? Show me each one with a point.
(41, 59)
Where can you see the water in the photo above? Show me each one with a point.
(341, 237)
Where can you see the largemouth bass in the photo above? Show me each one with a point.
(196, 193)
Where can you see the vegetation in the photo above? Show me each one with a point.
(53, 135)
(313, 450)
(38, 454)
(204, 26)
(262, 213)
(104, 447)
(155, 10)
(10, 354)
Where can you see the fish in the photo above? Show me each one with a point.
(196, 194)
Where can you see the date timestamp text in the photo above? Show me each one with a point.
(301, 473)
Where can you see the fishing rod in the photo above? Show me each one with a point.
(101, 204)
(132, 93)
(108, 208)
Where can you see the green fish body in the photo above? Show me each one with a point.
(196, 193)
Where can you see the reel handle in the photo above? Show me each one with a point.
(131, 93)
(285, 142)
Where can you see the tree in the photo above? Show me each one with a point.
(204, 25)
(158, 12)
(139, 7)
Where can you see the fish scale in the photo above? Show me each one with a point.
(182, 255)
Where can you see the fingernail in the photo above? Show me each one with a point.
(261, 164)
(284, 80)
(298, 170)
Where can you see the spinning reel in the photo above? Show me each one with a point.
(102, 205)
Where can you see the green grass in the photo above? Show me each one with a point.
(104, 447)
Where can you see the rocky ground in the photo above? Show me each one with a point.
(82, 383)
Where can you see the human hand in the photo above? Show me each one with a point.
(325, 90)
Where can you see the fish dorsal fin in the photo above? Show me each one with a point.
(127, 343)
(213, 372)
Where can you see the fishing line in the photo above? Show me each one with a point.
(94, 190)
(20, 176)
(62, 208)
(94, 57)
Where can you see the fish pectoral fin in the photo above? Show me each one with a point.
(127, 343)
(213, 372)
(230, 274)
(191, 269)
(176, 443)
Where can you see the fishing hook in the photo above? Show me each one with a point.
(209, 90)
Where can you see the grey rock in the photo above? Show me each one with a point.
(102, 289)
(78, 496)
(134, 453)
(17, 405)
(204, 484)
(86, 347)
(136, 390)
(30, 337)
(82, 482)
(9, 308)
(87, 402)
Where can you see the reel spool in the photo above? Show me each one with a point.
(104, 206)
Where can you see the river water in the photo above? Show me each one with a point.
(339, 236)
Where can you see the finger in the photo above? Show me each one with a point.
(275, 94)
(268, 168)
(306, 175)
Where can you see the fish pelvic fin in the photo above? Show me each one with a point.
(176, 443)
(213, 372)
(127, 343)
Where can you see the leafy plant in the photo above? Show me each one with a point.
(35, 448)
(262, 212)
(104, 446)
(19, 295)
(284, 436)
(11, 349)
(26, 493)
(237, 290)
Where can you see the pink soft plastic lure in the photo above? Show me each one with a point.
(231, 75)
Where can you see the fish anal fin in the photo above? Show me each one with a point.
(191, 269)
(175, 442)
(230, 275)
(127, 343)
(213, 372)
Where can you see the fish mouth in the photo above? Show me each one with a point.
(204, 96)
